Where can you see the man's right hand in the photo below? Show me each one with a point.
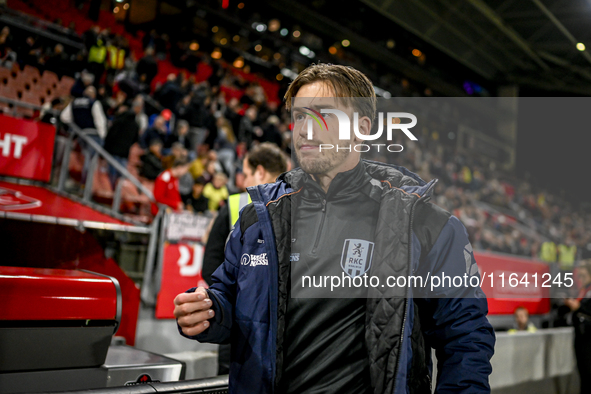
(192, 311)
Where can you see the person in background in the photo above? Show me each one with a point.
(147, 67)
(198, 165)
(157, 131)
(196, 202)
(522, 322)
(182, 136)
(86, 79)
(152, 161)
(567, 253)
(121, 136)
(140, 116)
(97, 56)
(166, 187)
(581, 307)
(263, 164)
(87, 113)
(216, 191)
(177, 151)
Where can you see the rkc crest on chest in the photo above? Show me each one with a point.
(356, 257)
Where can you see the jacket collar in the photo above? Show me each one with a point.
(394, 176)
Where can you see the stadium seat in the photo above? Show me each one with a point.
(51, 78)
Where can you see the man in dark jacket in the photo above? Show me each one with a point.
(374, 219)
(121, 136)
(152, 161)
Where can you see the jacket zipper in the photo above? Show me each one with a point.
(412, 211)
(320, 227)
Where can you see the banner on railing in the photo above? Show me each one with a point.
(182, 258)
(511, 281)
(26, 148)
(186, 226)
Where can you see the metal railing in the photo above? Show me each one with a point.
(40, 27)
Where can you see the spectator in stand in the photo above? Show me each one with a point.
(86, 79)
(182, 136)
(29, 53)
(152, 161)
(270, 131)
(7, 54)
(97, 57)
(166, 187)
(157, 131)
(56, 105)
(87, 113)
(121, 136)
(246, 132)
(177, 152)
(567, 253)
(216, 191)
(189, 111)
(522, 322)
(581, 307)
(140, 116)
(90, 36)
(548, 252)
(147, 67)
(196, 202)
(169, 93)
(58, 61)
(225, 145)
(197, 166)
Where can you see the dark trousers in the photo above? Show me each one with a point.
(583, 353)
(224, 360)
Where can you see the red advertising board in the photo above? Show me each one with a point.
(181, 270)
(511, 281)
(26, 148)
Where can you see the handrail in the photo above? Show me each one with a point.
(7, 16)
(99, 149)
(27, 105)
(107, 156)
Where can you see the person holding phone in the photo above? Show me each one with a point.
(581, 307)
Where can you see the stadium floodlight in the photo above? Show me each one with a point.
(260, 27)
(289, 73)
(304, 50)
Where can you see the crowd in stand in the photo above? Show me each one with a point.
(193, 138)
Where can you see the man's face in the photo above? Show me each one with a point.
(583, 275)
(521, 317)
(156, 149)
(316, 96)
(197, 189)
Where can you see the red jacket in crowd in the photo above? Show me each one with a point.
(166, 191)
